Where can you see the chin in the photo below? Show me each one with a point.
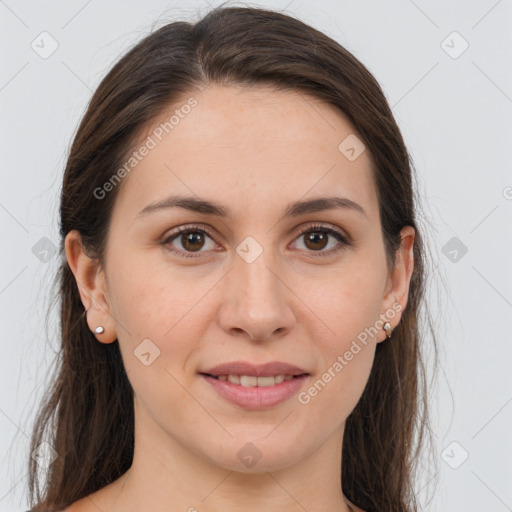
(253, 455)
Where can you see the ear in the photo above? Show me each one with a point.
(90, 279)
(397, 286)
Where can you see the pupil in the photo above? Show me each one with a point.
(315, 237)
(190, 239)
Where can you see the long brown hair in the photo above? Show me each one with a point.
(87, 416)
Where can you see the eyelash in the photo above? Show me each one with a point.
(183, 230)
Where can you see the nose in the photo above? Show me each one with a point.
(257, 303)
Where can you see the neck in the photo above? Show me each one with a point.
(166, 476)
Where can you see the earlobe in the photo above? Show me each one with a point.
(92, 288)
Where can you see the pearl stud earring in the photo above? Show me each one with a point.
(388, 329)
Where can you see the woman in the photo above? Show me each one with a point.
(241, 280)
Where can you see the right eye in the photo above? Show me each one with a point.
(191, 238)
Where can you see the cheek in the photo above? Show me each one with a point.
(349, 303)
(147, 300)
(156, 312)
(346, 361)
(349, 306)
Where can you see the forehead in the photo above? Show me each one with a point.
(248, 145)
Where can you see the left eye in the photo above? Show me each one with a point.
(193, 239)
(317, 237)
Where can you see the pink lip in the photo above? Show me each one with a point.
(256, 397)
(262, 370)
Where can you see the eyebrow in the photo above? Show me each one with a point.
(294, 209)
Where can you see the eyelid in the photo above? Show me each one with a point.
(189, 228)
(325, 226)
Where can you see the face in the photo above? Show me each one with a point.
(261, 283)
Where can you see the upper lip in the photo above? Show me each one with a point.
(261, 370)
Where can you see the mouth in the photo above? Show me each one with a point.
(246, 369)
(250, 381)
(255, 386)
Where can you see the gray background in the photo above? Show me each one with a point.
(455, 112)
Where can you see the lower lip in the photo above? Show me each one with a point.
(256, 397)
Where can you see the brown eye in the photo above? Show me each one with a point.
(191, 239)
(317, 238)
(187, 240)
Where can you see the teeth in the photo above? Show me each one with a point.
(247, 381)
(266, 381)
(234, 379)
(253, 381)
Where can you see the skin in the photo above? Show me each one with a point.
(290, 304)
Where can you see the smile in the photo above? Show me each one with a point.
(256, 393)
(253, 381)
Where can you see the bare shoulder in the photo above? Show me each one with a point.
(355, 508)
(82, 505)
(77, 506)
(102, 499)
